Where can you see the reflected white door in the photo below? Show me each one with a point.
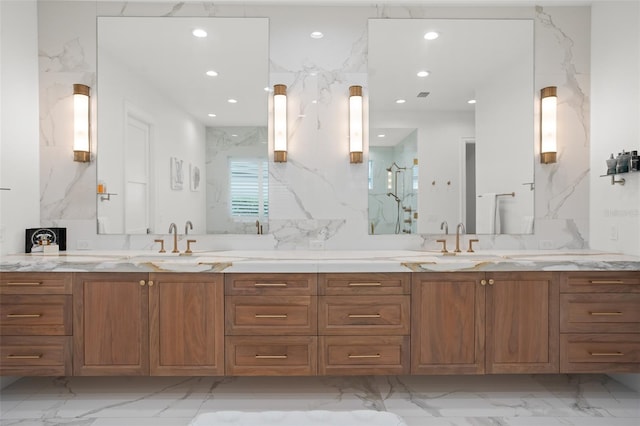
(136, 216)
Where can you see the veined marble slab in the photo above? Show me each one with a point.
(314, 261)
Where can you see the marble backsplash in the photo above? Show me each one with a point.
(317, 198)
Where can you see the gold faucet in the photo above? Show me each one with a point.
(188, 226)
(460, 225)
(174, 228)
(444, 225)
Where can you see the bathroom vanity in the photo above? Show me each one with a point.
(314, 317)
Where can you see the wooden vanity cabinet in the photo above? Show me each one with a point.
(475, 323)
(364, 323)
(271, 324)
(600, 322)
(140, 324)
(36, 324)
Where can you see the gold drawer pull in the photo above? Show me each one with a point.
(364, 315)
(24, 316)
(26, 284)
(606, 282)
(271, 356)
(24, 356)
(605, 314)
(270, 285)
(364, 356)
(365, 284)
(271, 315)
(606, 353)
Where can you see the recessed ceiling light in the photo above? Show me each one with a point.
(267, 89)
(212, 73)
(211, 115)
(400, 101)
(314, 101)
(301, 115)
(316, 35)
(233, 135)
(471, 101)
(199, 32)
(381, 135)
(423, 73)
(232, 101)
(431, 35)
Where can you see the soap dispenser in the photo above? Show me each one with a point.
(611, 165)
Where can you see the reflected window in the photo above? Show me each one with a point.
(249, 188)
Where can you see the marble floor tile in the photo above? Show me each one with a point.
(509, 400)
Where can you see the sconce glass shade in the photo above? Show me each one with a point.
(355, 124)
(548, 125)
(280, 123)
(81, 141)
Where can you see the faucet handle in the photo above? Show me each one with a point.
(444, 246)
(471, 241)
(162, 250)
(188, 250)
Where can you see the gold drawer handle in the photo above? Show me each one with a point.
(271, 315)
(606, 282)
(606, 353)
(271, 357)
(364, 356)
(24, 356)
(24, 316)
(364, 315)
(26, 284)
(365, 284)
(605, 314)
(270, 285)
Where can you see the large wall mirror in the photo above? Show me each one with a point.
(451, 117)
(182, 107)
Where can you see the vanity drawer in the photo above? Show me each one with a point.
(35, 355)
(600, 313)
(364, 284)
(271, 355)
(268, 315)
(600, 282)
(35, 315)
(360, 355)
(35, 283)
(599, 353)
(368, 315)
(271, 284)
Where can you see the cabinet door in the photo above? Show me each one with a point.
(111, 324)
(447, 324)
(522, 322)
(186, 324)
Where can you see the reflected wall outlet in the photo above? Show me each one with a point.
(83, 245)
(316, 244)
(613, 233)
(545, 244)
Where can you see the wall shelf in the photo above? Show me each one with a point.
(622, 180)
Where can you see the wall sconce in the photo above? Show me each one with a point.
(355, 124)
(548, 125)
(81, 143)
(280, 123)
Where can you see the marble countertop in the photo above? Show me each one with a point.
(317, 261)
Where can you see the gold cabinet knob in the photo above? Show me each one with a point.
(491, 281)
(142, 283)
(150, 283)
(483, 282)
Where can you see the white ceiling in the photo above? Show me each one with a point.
(467, 53)
(164, 53)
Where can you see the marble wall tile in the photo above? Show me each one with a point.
(317, 194)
